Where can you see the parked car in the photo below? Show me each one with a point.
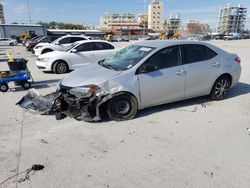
(8, 42)
(48, 39)
(146, 74)
(232, 36)
(76, 55)
(219, 37)
(60, 44)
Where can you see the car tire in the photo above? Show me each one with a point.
(60, 67)
(4, 87)
(122, 107)
(26, 85)
(220, 88)
(11, 44)
(33, 51)
(46, 51)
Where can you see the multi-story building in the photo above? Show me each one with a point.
(143, 19)
(107, 20)
(155, 15)
(232, 19)
(173, 23)
(2, 20)
(120, 24)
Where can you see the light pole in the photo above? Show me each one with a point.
(28, 7)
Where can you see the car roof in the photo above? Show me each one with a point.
(166, 43)
(86, 41)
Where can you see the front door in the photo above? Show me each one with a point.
(167, 82)
(82, 56)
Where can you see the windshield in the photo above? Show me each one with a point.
(127, 57)
(71, 46)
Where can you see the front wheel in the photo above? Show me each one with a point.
(121, 108)
(4, 87)
(60, 67)
(220, 88)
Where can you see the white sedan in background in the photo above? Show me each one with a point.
(59, 44)
(76, 55)
(7, 42)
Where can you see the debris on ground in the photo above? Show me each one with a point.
(248, 130)
(35, 167)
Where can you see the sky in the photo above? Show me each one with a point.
(90, 11)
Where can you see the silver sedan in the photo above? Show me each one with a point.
(147, 74)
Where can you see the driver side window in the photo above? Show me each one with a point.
(166, 58)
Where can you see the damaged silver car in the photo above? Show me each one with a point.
(145, 74)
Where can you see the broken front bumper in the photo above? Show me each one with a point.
(76, 103)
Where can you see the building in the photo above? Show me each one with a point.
(155, 15)
(195, 27)
(15, 30)
(2, 20)
(143, 19)
(232, 19)
(121, 24)
(107, 21)
(173, 23)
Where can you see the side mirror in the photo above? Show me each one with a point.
(148, 68)
(73, 51)
(57, 43)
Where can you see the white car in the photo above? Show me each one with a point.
(59, 44)
(76, 55)
(7, 42)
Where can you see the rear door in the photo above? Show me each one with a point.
(83, 55)
(102, 50)
(167, 82)
(203, 67)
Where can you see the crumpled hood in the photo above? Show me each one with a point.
(88, 75)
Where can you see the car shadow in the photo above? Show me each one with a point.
(238, 90)
(38, 85)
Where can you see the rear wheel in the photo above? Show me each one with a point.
(4, 87)
(220, 88)
(26, 85)
(46, 51)
(121, 108)
(60, 67)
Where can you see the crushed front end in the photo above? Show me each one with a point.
(81, 103)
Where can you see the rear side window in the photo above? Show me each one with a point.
(84, 47)
(195, 53)
(102, 46)
(64, 41)
(75, 39)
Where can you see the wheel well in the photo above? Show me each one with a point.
(229, 76)
(46, 49)
(119, 94)
(53, 65)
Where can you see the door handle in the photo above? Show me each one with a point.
(217, 64)
(181, 72)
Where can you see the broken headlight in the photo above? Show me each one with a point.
(85, 92)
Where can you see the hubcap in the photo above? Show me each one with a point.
(26, 85)
(221, 88)
(122, 107)
(3, 87)
(61, 68)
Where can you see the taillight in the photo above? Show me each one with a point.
(238, 60)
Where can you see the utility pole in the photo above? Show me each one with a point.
(144, 20)
(28, 7)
